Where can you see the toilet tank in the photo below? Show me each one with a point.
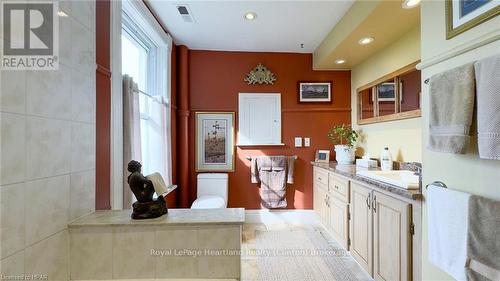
(213, 184)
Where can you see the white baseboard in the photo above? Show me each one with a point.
(281, 216)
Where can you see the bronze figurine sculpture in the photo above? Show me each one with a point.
(145, 207)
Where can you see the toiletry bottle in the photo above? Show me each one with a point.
(386, 160)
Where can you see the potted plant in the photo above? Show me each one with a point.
(343, 137)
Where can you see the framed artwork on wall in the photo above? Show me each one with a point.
(386, 91)
(315, 92)
(462, 15)
(214, 141)
(322, 156)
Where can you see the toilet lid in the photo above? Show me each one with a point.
(209, 202)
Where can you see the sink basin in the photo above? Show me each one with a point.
(400, 178)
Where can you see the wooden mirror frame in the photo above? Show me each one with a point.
(391, 117)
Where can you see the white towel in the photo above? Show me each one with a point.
(488, 107)
(158, 183)
(447, 213)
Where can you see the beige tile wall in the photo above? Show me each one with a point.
(47, 156)
(100, 253)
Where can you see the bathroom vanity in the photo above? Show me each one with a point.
(379, 223)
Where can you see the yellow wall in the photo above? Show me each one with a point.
(404, 137)
(462, 172)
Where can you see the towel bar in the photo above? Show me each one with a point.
(438, 183)
(250, 157)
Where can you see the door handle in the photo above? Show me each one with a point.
(368, 200)
(375, 203)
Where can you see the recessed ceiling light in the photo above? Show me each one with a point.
(408, 4)
(366, 40)
(62, 14)
(250, 16)
(340, 61)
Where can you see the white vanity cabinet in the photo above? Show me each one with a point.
(331, 203)
(377, 226)
(321, 197)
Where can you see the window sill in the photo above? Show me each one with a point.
(262, 144)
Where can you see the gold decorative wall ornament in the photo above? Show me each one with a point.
(260, 75)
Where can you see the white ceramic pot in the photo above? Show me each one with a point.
(344, 154)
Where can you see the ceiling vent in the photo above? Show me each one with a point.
(185, 13)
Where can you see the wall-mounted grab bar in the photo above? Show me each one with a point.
(294, 157)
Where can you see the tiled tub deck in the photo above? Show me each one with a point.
(185, 243)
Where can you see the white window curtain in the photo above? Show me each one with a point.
(131, 133)
(159, 138)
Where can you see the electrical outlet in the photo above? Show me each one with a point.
(298, 141)
(307, 142)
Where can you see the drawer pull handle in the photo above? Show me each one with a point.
(336, 187)
(319, 178)
(375, 203)
(368, 201)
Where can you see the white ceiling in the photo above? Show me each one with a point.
(281, 26)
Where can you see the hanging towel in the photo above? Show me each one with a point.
(488, 107)
(483, 239)
(272, 172)
(254, 171)
(158, 183)
(447, 212)
(290, 167)
(451, 108)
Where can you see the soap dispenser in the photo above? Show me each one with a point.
(386, 160)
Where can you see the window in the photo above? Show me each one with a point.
(145, 59)
(259, 119)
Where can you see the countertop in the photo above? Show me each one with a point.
(173, 217)
(349, 171)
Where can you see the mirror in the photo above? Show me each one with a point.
(410, 90)
(386, 96)
(366, 104)
(393, 97)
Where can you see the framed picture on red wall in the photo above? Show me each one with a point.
(310, 92)
(214, 141)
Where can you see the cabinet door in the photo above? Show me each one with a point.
(361, 226)
(320, 203)
(392, 238)
(339, 223)
(316, 199)
(326, 210)
(259, 118)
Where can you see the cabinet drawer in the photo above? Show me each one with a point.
(320, 176)
(338, 187)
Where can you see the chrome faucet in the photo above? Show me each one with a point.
(417, 169)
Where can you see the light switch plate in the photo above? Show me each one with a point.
(298, 141)
(307, 142)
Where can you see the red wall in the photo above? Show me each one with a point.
(216, 78)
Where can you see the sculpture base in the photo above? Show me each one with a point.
(149, 210)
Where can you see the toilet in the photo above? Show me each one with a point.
(212, 191)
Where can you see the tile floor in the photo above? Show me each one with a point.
(278, 246)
